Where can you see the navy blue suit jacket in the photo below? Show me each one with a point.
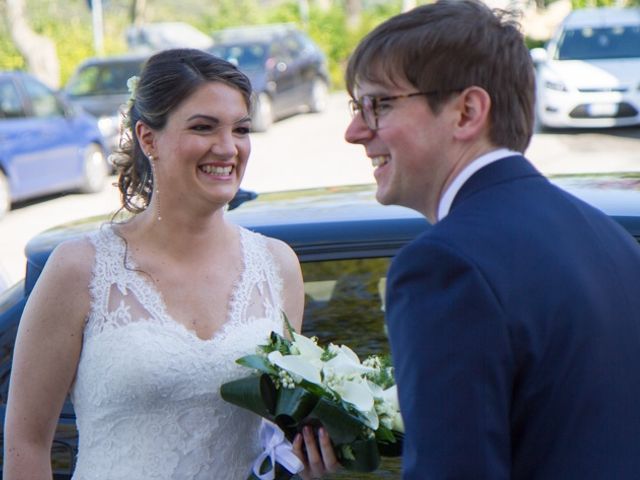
(515, 331)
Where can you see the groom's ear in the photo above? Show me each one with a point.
(473, 106)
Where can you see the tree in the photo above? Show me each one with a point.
(38, 51)
(354, 12)
(138, 8)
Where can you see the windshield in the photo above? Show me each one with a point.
(103, 79)
(597, 43)
(246, 56)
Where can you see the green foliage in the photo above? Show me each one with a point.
(575, 4)
(10, 58)
(69, 24)
(533, 43)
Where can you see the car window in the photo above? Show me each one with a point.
(344, 302)
(248, 56)
(595, 43)
(10, 103)
(43, 102)
(104, 79)
(293, 46)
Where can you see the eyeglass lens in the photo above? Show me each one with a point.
(366, 107)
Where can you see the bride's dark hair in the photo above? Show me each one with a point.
(167, 79)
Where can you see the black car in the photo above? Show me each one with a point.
(344, 240)
(288, 71)
(99, 86)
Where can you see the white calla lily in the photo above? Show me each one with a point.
(346, 362)
(372, 419)
(307, 347)
(398, 423)
(376, 390)
(355, 392)
(298, 365)
(390, 395)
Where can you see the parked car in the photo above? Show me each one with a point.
(161, 35)
(46, 145)
(589, 73)
(99, 86)
(344, 240)
(288, 71)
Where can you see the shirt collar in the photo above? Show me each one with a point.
(452, 190)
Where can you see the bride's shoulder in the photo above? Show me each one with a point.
(283, 255)
(282, 252)
(73, 257)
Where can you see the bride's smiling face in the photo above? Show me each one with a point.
(203, 149)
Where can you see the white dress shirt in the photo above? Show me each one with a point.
(482, 161)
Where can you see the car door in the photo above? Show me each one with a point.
(284, 75)
(44, 155)
(302, 69)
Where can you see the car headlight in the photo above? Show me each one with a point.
(108, 126)
(555, 85)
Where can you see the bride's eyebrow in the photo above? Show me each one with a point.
(216, 120)
(199, 116)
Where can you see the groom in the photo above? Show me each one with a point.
(515, 321)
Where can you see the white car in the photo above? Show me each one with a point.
(589, 73)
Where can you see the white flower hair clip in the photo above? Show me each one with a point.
(132, 85)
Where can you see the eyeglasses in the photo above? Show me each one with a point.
(372, 108)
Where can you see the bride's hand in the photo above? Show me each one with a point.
(319, 460)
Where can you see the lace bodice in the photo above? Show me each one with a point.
(146, 394)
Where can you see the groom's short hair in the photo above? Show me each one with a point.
(451, 45)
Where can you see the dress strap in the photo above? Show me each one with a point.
(107, 269)
(260, 284)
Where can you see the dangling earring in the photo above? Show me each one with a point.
(156, 187)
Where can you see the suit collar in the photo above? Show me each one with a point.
(452, 190)
(506, 169)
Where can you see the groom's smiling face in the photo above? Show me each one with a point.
(409, 148)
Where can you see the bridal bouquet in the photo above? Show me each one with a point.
(298, 382)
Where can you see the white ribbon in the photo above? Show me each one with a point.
(278, 449)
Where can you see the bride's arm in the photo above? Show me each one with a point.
(45, 359)
(292, 284)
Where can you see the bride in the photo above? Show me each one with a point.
(142, 320)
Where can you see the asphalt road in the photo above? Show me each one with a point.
(307, 151)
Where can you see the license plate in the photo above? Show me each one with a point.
(603, 109)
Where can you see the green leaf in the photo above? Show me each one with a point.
(341, 426)
(365, 454)
(287, 325)
(256, 393)
(393, 449)
(293, 406)
(257, 362)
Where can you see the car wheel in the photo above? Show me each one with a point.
(5, 195)
(319, 96)
(263, 114)
(96, 169)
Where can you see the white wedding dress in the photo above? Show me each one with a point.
(146, 394)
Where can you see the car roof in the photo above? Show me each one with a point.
(131, 57)
(347, 221)
(253, 33)
(15, 73)
(602, 17)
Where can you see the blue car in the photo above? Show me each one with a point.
(344, 240)
(46, 145)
